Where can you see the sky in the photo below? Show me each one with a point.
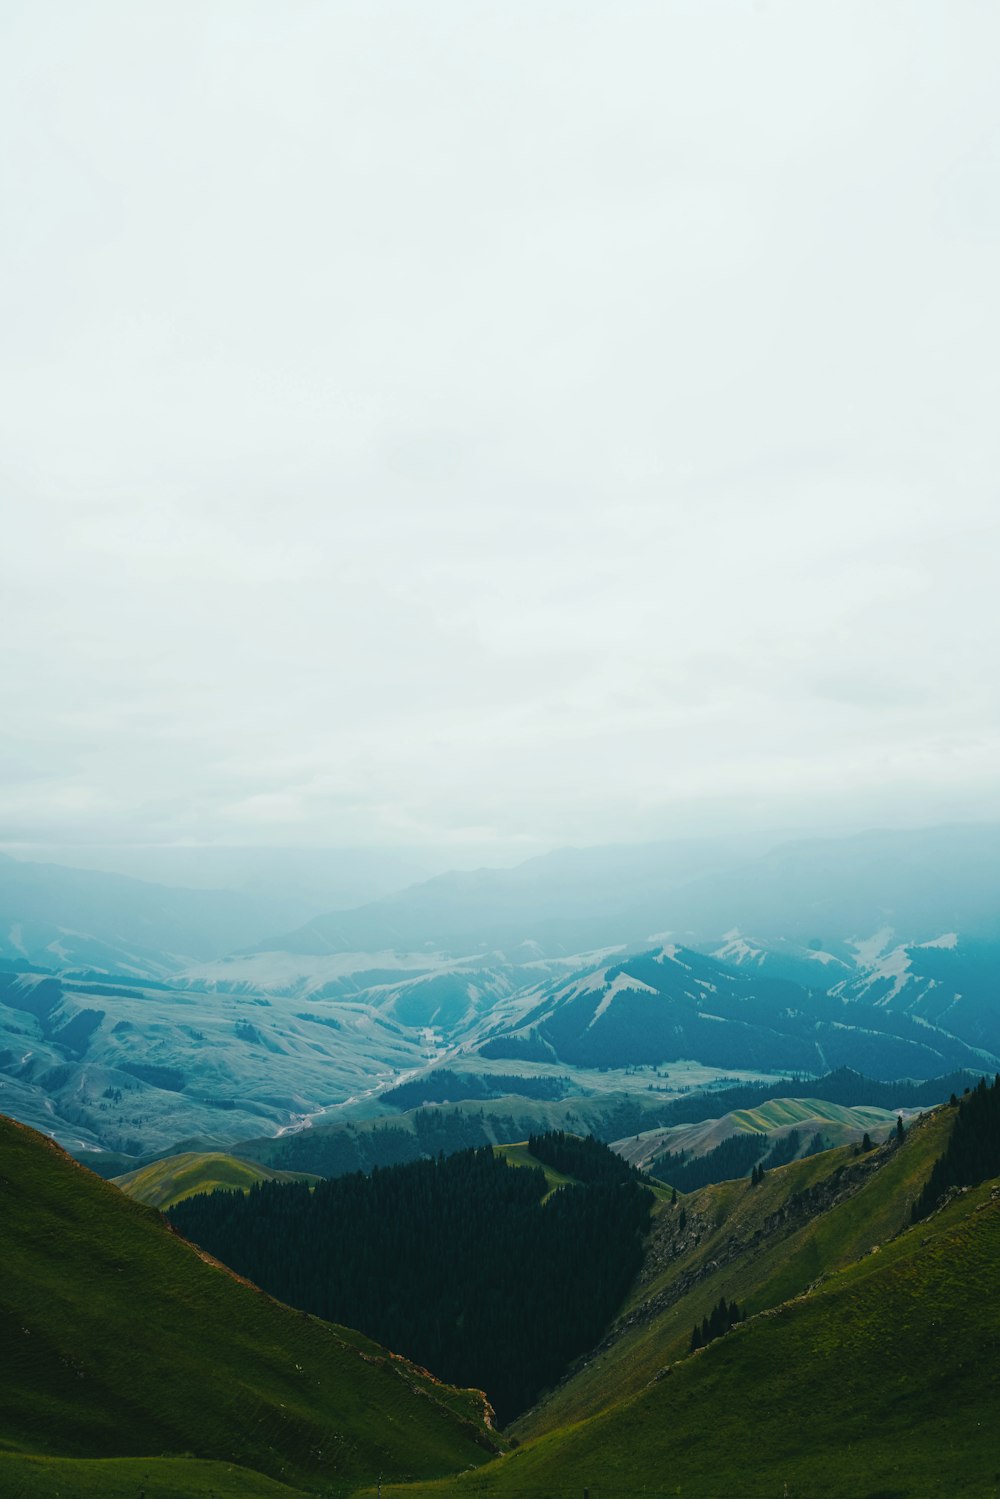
(493, 426)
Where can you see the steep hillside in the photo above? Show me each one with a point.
(133, 1068)
(755, 1245)
(169, 1181)
(120, 1341)
(28, 1476)
(951, 983)
(672, 1002)
(776, 1119)
(881, 1382)
(470, 1264)
(865, 1366)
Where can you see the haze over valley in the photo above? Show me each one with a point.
(130, 1023)
(500, 758)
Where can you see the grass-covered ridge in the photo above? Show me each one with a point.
(120, 1341)
(866, 1366)
(837, 1124)
(28, 1476)
(520, 1155)
(170, 1180)
(757, 1246)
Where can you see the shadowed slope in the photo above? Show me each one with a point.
(755, 1245)
(878, 1380)
(120, 1340)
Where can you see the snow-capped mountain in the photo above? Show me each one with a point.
(672, 1002)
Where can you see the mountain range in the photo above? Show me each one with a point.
(821, 1330)
(136, 1018)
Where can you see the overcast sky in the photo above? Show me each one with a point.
(497, 425)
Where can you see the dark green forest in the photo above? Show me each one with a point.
(341, 1150)
(724, 1316)
(973, 1153)
(584, 1158)
(455, 1262)
(445, 1086)
(733, 1157)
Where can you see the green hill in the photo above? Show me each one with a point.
(120, 1341)
(836, 1123)
(755, 1245)
(168, 1181)
(881, 1383)
(866, 1365)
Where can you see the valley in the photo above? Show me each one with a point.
(500, 769)
(388, 1139)
(125, 1056)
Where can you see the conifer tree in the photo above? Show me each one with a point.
(463, 1263)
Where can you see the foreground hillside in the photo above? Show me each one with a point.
(121, 1342)
(757, 1245)
(866, 1365)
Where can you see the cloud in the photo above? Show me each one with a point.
(520, 423)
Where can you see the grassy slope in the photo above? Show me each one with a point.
(520, 1155)
(23, 1476)
(880, 1383)
(169, 1181)
(119, 1340)
(837, 1124)
(736, 1244)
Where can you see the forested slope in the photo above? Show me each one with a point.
(865, 1366)
(467, 1264)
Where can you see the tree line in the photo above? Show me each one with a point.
(454, 1262)
(972, 1154)
(444, 1086)
(583, 1157)
(723, 1316)
(734, 1157)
